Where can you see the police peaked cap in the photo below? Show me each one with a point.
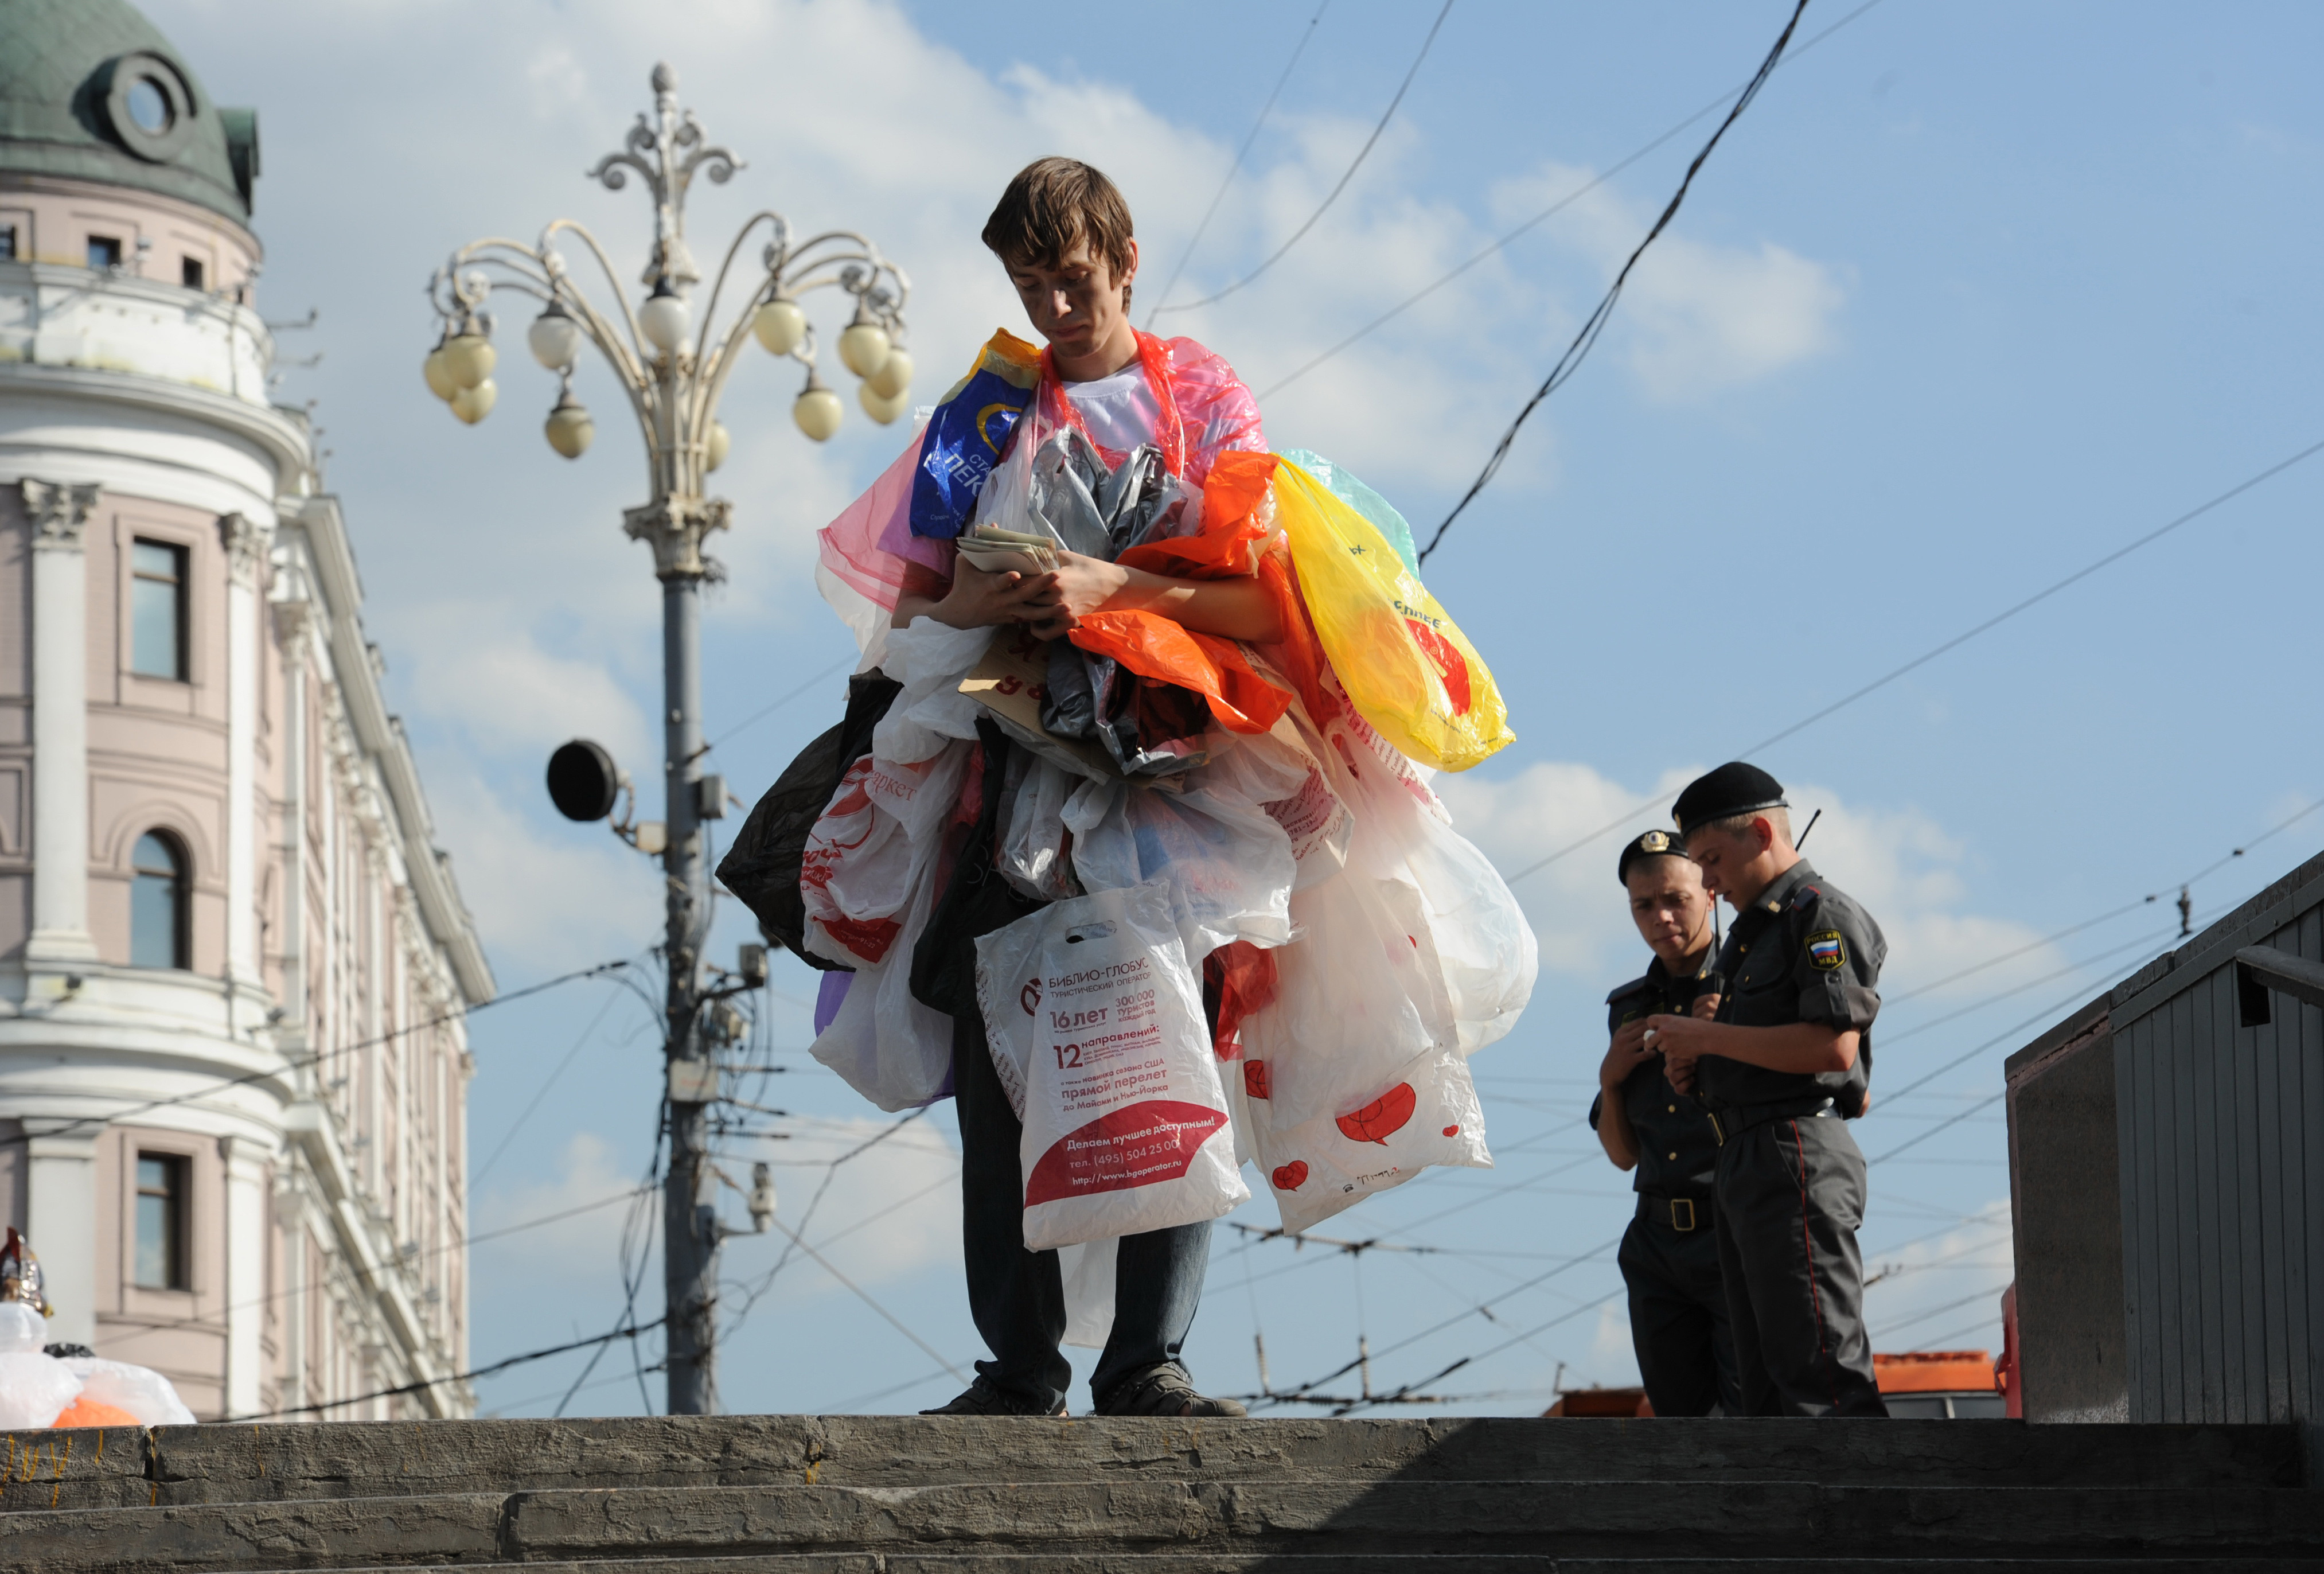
(1654, 844)
(1735, 788)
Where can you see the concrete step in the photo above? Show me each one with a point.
(1642, 1522)
(179, 1466)
(1313, 1563)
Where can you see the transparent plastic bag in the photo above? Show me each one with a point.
(143, 1392)
(1035, 848)
(1095, 1019)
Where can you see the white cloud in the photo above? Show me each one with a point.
(570, 1254)
(885, 1215)
(1696, 317)
(1901, 865)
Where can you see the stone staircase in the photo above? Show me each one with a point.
(866, 1495)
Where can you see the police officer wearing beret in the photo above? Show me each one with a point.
(1670, 1254)
(1782, 1066)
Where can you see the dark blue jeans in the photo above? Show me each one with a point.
(1017, 1296)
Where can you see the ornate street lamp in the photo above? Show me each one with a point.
(674, 378)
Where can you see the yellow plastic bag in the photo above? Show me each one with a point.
(1407, 666)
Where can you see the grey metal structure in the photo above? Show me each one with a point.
(2167, 1170)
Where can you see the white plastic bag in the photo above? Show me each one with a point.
(1095, 1019)
(140, 1390)
(1227, 859)
(1036, 849)
(34, 1387)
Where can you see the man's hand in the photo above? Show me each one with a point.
(980, 600)
(1628, 1052)
(1079, 587)
(1682, 1040)
(1706, 1006)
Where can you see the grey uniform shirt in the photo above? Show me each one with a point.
(1803, 951)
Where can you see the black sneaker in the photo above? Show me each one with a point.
(983, 1398)
(1162, 1390)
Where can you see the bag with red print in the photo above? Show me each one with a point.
(1095, 1020)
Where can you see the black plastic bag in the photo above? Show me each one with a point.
(762, 866)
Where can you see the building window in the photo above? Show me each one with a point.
(161, 1222)
(157, 904)
(191, 274)
(157, 610)
(7, 243)
(104, 251)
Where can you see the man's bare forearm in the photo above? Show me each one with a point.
(1806, 1047)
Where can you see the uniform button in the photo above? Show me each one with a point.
(1674, 1158)
(1673, 1108)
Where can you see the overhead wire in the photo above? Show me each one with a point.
(1361, 154)
(401, 1389)
(1242, 153)
(1563, 203)
(310, 1062)
(1595, 323)
(1955, 643)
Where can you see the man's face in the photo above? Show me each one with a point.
(1724, 858)
(1670, 906)
(1075, 305)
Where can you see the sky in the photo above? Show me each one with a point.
(1971, 297)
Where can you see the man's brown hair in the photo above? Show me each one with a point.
(1055, 205)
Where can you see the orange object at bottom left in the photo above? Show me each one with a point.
(90, 1412)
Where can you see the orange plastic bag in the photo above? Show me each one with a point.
(1154, 647)
(1406, 664)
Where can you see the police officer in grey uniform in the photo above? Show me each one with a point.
(1782, 1066)
(1670, 1254)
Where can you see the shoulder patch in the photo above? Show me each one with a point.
(1826, 950)
(1804, 897)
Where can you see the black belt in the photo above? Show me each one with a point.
(1682, 1214)
(1726, 1124)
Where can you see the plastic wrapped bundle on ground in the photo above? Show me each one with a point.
(43, 1385)
(1253, 822)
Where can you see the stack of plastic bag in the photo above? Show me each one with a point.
(1253, 823)
(41, 1389)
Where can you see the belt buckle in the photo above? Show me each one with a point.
(1677, 1203)
(1718, 1129)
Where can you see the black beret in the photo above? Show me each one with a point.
(1735, 788)
(1654, 844)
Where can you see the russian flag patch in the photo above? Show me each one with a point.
(1826, 950)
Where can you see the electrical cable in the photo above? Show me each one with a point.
(476, 1176)
(1957, 641)
(1578, 192)
(765, 711)
(1595, 324)
(404, 1388)
(1235, 168)
(316, 1059)
(1362, 154)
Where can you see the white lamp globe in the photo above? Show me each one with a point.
(469, 357)
(473, 404)
(569, 428)
(817, 410)
(883, 410)
(438, 375)
(554, 339)
(715, 445)
(894, 375)
(863, 346)
(779, 325)
(662, 318)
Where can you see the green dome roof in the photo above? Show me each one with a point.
(90, 90)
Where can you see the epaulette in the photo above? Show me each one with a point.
(1637, 985)
(1803, 896)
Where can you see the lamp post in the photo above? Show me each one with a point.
(674, 378)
